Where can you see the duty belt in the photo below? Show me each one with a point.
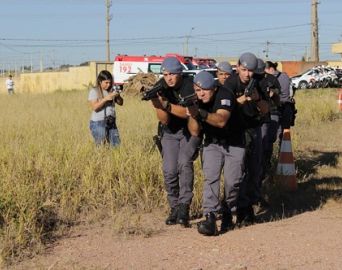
(223, 142)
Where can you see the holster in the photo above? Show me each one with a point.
(157, 138)
(157, 142)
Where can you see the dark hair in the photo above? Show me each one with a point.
(270, 64)
(103, 76)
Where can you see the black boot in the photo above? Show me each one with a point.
(208, 226)
(261, 206)
(245, 217)
(183, 215)
(227, 221)
(172, 218)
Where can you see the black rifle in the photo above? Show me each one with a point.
(156, 90)
(189, 100)
(250, 87)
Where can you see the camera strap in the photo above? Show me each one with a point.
(106, 128)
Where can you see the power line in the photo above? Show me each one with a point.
(161, 37)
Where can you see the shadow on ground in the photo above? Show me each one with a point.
(313, 191)
(309, 163)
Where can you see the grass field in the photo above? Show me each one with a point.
(52, 176)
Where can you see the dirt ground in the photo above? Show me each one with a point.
(312, 240)
(305, 239)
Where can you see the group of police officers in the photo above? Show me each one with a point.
(234, 121)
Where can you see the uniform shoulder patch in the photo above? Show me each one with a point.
(225, 102)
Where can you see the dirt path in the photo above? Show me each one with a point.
(312, 240)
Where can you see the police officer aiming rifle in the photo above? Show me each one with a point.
(271, 86)
(253, 106)
(178, 147)
(216, 118)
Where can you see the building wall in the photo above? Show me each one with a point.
(85, 76)
(293, 68)
(45, 82)
(336, 64)
(336, 48)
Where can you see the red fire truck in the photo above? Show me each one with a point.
(126, 66)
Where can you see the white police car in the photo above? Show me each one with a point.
(303, 81)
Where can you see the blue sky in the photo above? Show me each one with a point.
(73, 31)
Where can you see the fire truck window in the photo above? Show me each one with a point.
(155, 68)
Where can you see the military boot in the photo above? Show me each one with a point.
(172, 218)
(208, 226)
(245, 217)
(227, 221)
(261, 206)
(183, 215)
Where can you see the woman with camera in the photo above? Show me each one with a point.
(102, 100)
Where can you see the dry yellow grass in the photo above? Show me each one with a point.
(53, 176)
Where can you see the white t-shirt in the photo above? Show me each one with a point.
(100, 115)
(9, 84)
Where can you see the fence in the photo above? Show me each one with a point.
(81, 77)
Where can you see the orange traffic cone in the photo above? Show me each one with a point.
(286, 172)
(339, 100)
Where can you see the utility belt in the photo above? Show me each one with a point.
(287, 103)
(210, 140)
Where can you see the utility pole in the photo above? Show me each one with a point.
(108, 19)
(31, 63)
(266, 49)
(314, 32)
(186, 51)
(41, 62)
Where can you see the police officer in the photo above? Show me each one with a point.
(216, 117)
(224, 70)
(178, 146)
(253, 106)
(287, 103)
(271, 86)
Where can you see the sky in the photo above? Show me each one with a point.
(59, 32)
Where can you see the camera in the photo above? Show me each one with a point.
(116, 88)
(110, 122)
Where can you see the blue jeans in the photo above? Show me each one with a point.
(98, 130)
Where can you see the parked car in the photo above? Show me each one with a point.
(305, 80)
(317, 77)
